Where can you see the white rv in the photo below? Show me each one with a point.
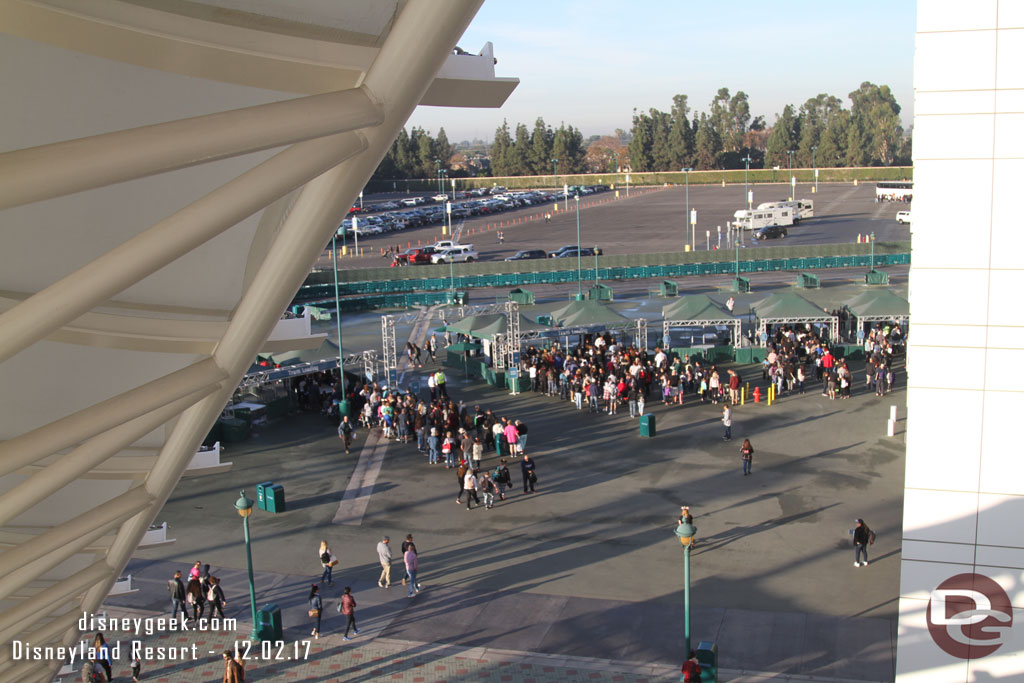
(803, 208)
(755, 219)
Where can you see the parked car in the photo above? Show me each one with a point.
(570, 251)
(770, 231)
(527, 254)
(440, 197)
(414, 256)
(461, 253)
(902, 217)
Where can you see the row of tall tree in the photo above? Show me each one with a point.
(821, 131)
(534, 152)
(415, 154)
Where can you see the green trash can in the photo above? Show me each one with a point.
(647, 427)
(707, 657)
(262, 490)
(268, 623)
(275, 498)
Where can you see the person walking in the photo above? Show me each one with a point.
(503, 478)
(233, 672)
(316, 609)
(727, 421)
(177, 590)
(691, 669)
(434, 446)
(327, 561)
(345, 432)
(384, 555)
(512, 438)
(488, 488)
(215, 597)
(469, 483)
(412, 566)
(529, 474)
(523, 430)
(102, 654)
(347, 606)
(194, 597)
(862, 538)
(747, 454)
(406, 544)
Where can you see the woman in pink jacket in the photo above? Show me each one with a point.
(512, 438)
(347, 606)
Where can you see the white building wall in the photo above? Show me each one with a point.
(965, 466)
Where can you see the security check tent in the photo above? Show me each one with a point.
(789, 308)
(578, 316)
(488, 325)
(879, 305)
(698, 310)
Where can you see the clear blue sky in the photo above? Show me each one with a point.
(589, 63)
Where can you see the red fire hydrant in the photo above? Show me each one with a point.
(757, 394)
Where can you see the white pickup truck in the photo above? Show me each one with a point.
(459, 253)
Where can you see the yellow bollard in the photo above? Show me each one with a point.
(743, 396)
(771, 393)
(344, 250)
(723, 182)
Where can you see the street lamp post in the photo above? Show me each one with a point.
(789, 153)
(686, 533)
(244, 507)
(343, 404)
(555, 171)
(686, 216)
(746, 170)
(579, 253)
(437, 165)
(814, 165)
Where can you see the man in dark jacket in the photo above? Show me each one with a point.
(529, 476)
(177, 590)
(862, 538)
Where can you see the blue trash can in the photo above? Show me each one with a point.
(707, 657)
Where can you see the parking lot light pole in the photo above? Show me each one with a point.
(814, 165)
(746, 170)
(579, 253)
(555, 171)
(789, 153)
(686, 216)
(686, 533)
(343, 404)
(244, 507)
(437, 165)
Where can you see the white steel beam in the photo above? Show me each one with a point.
(26, 448)
(30, 175)
(69, 467)
(181, 232)
(23, 564)
(20, 617)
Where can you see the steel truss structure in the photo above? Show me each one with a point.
(733, 322)
(330, 141)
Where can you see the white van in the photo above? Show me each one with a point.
(903, 217)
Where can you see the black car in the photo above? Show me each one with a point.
(770, 232)
(527, 254)
(572, 253)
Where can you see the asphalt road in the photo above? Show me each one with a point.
(651, 219)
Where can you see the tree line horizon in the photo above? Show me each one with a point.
(821, 132)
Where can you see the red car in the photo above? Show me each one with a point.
(354, 209)
(414, 256)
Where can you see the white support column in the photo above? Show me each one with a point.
(23, 616)
(36, 173)
(641, 333)
(25, 449)
(389, 351)
(90, 454)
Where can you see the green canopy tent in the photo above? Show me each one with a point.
(790, 308)
(698, 310)
(577, 317)
(878, 305)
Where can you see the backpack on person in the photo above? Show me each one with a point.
(211, 594)
(325, 557)
(871, 537)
